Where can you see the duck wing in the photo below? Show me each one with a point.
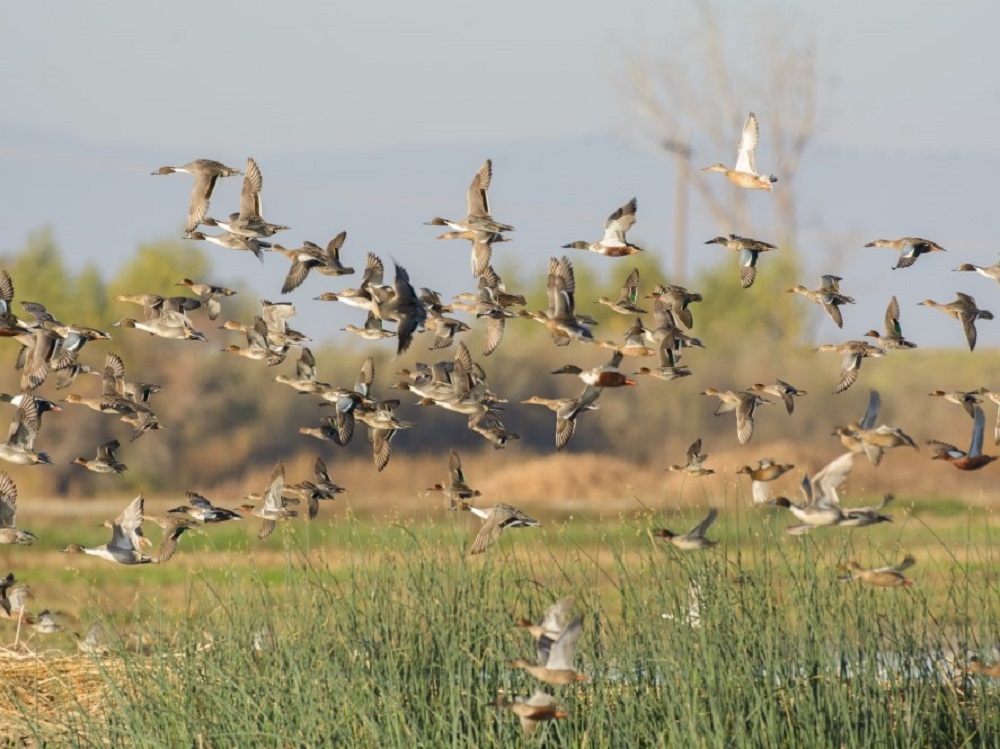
(5, 584)
(563, 650)
(745, 155)
(455, 474)
(253, 181)
(8, 502)
(106, 452)
(761, 492)
(322, 474)
(562, 288)
(491, 529)
(374, 271)
(557, 617)
(694, 453)
(748, 267)
(699, 530)
(172, 531)
(892, 326)
(871, 413)
(565, 429)
(618, 223)
(25, 425)
(908, 561)
(501, 517)
(125, 530)
(744, 419)
(478, 203)
(381, 442)
(826, 483)
(333, 248)
(969, 326)
(630, 289)
(201, 193)
(366, 377)
(833, 310)
(978, 426)
(275, 488)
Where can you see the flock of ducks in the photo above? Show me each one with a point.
(555, 644)
(660, 327)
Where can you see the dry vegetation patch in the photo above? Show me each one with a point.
(51, 691)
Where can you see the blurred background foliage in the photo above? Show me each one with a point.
(226, 419)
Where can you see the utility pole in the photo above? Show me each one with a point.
(682, 151)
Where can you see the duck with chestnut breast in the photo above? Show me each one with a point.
(613, 243)
(767, 470)
(531, 711)
(603, 376)
(972, 460)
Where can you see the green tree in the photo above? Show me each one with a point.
(91, 298)
(39, 274)
(762, 316)
(156, 267)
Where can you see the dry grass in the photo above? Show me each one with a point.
(600, 484)
(48, 689)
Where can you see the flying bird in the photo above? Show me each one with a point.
(744, 174)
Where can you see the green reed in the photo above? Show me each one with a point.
(408, 645)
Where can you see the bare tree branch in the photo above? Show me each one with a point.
(693, 89)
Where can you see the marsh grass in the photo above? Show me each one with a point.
(407, 643)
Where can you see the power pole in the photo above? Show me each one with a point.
(682, 151)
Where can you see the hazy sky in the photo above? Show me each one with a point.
(372, 117)
(216, 77)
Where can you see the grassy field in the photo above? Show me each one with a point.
(378, 630)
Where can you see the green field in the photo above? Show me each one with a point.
(378, 633)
